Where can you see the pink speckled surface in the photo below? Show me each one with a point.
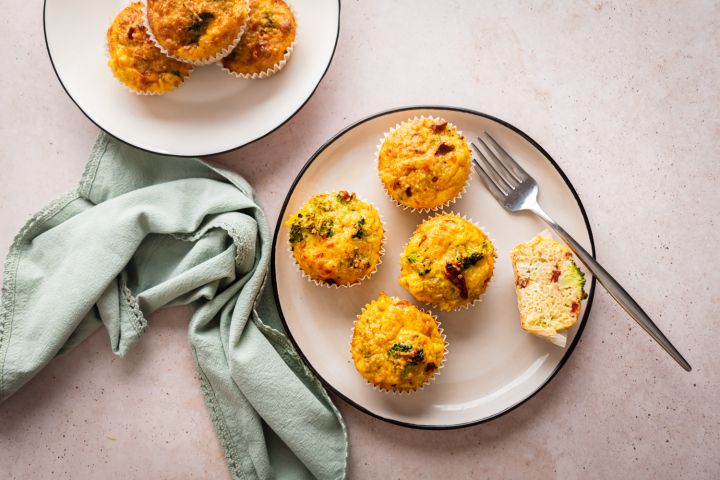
(625, 97)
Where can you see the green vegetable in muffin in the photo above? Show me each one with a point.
(573, 277)
(359, 232)
(296, 234)
(471, 260)
(399, 348)
(199, 26)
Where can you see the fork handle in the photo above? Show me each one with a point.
(615, 290)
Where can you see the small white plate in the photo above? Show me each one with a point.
(492, 365)
(212, 112)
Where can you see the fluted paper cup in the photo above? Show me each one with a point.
(437, 208)
(206, 61)
(429, 380)
(495, 256)
(381, 253)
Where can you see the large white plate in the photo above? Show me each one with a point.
(211, 112)
(492, 365)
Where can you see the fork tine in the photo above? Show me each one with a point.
(491, 174)
(517, 171)
(489, 183)
(491, 165)
(498, 166)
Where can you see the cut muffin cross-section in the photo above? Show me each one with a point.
(549, 287)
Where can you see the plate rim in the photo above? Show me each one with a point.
(165, 154)
(301, 173)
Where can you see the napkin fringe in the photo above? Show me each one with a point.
(229, 229)
(136, 316)
(10, 271)
(216, 416)
(234, 455)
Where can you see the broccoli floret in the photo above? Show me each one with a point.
(573, 277)
(296, 234)
(412, 258)
(269, 22)
(471, 260)
(399, 348)
(326, 230)
(417, 357)
(359, 232)
(199, 26)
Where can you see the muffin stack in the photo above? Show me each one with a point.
(153, 45)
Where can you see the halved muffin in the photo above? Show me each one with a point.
(549, 287)
(336, 238)
(197, 31)
(266, 43)
(424, 163)
(136, 61)
(447, 263)
(396, 346)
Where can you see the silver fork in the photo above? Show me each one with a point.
(516, 190)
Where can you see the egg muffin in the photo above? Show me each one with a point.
(267, 41)
(549, 287)
(336, 239)
(447, 263)
(424, 163)
(136, 61)
(197, 31)
(396, 346)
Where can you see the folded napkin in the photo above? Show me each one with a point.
(143, 231)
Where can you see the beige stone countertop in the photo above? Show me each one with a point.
(624, 95)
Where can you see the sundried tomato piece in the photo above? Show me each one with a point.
(438, 127)
(443, 149)
(453, 272)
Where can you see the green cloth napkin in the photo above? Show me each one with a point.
(143, 231)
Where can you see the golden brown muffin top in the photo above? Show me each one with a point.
(336, 238)
(424, 163)
(196, 30)
(447, 262)
(270, 32)
(135, 60)
(395, 345)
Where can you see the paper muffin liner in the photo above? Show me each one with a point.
(495, 255)
(265, 74)
(321, 283)
(275, 68)
(206, 61)
(428, 381)
(407, 207)
(127, 87)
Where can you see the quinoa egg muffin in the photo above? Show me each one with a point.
(396, 346)
(447, 263)
(336, 239)
(268, 39)
(424, 163)
(549, 287)
(196, 31)
(136, 61)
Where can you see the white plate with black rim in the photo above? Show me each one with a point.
(492, 365)
(211, 112)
